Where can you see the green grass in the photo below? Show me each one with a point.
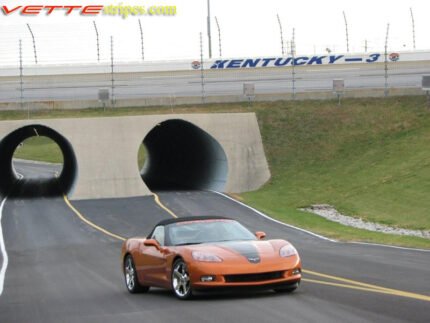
(133, 111)
(141, 156)
(369, 158)
(40, 149)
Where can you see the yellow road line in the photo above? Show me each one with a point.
(350, 281)
(95, 226)
(372, 290)
(351, 284)
(323, 282)
(157, 200)
(345, 280)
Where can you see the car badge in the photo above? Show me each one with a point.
(254, 260)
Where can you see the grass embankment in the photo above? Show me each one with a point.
(368, 158)
(141, 156)
(39, 149)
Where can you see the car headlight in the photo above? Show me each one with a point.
(287, 251)
(205, 256)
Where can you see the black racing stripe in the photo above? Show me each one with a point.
(246, 249)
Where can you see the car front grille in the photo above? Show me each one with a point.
(245, 278)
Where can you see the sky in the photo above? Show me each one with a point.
(248, 29)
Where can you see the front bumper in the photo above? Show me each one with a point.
(264, 275)
(246, 288)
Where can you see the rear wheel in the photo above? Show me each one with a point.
(287, 288)
(181, 283)
(130, 276)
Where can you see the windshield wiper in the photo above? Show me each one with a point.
(187, 243)
(232, 240)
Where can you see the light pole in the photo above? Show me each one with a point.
(141, 40)
(97, 39)
(293, 64)
(112, 74)
(34, 43)
(281, 34)
(202, 75)
(21, 82)
(346, 32)
(209, 29)
(413, 27)
(219, 37)
(386, 61)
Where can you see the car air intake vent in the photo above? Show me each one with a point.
(253, 277)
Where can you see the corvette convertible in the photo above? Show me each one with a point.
(206, 253)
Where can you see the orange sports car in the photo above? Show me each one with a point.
(208, 252)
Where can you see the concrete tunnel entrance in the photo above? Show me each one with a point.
(12, 185)
(181, 156)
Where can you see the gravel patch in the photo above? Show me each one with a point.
(330, 213)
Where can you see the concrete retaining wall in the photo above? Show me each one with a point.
(107, 148)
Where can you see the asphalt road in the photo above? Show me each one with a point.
(61, 269)
(217, 82)
(31, 169)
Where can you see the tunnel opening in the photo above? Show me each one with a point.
(38, 157)
(17, 180)
(181, 156)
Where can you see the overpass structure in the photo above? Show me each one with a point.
(222, 152)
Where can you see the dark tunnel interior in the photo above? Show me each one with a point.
(13, 186)
(181, 156)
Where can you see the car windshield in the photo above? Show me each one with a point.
(205, 231)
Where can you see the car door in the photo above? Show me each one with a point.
(152, 265)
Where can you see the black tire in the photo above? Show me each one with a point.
(130, 277)
(181, 283)
(287, 288)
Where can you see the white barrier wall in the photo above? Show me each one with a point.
(222, 63)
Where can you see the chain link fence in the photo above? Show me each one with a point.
(31, 81)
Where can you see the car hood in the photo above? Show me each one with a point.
(253, 251)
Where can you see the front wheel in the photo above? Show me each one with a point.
(181, 283)
(130, 277)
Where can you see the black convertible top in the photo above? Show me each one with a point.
(188, 218)
(191, 218)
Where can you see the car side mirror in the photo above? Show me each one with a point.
(260, 235)
(152, 243)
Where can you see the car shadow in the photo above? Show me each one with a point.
(221, 295)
